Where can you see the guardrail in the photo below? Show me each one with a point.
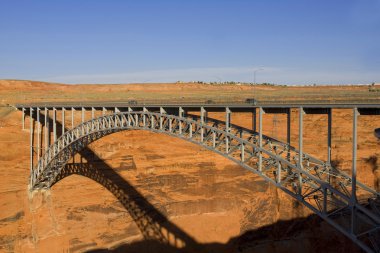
(209, 102)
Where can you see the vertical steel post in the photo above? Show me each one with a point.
(353, 191)
(354, 149)
(38, 133)
(300, 139)
(278, 172)
(329, 121)
(23, 118)
(130, 116)
(254, 120)
(180, 114)
(31, 141)
(54, 124)
(72, 117)
(242, 152)
(63, 120)
(162, 111)
(288, 126)
(203, 111)
(324, 200)
(83, 110)
(144, 116)
(228, 121)
(152, 124)
(47, 129)
(260, 138)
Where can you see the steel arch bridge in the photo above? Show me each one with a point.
(325, 190)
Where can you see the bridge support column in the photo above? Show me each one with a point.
(203, 113)
(329, 121)
(228, 122)
(129, 117)
(93, 112)
(31, 141)
(300, 143)
(354, 149)
(288, 127)
(180, 114)
(162, 111)
(144, 116)
(83, 111)
(38, 133)
(254, 120)
(353, 199)
(54, 124)
(72, 117)
(23, 118)
(260, 138)
(47, 129)
(63, 120)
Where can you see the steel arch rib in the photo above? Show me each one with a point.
(309, 182)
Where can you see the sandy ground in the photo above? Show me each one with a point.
(217, 204)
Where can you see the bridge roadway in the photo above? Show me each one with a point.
(196, 104)
(350, 206)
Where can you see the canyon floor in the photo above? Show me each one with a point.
(199, 197)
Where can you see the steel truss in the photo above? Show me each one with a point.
(323, 189)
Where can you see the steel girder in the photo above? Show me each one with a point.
(323, 189)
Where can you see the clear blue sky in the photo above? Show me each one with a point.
(93, 41)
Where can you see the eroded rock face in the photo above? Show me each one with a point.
(220, 206)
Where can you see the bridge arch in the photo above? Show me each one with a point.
(301, 176)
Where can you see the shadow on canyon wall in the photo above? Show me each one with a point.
(161, 235)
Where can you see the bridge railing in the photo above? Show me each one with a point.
(205, 102)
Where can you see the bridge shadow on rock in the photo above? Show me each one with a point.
(161, 235)
(152, 223)
(297, 235)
